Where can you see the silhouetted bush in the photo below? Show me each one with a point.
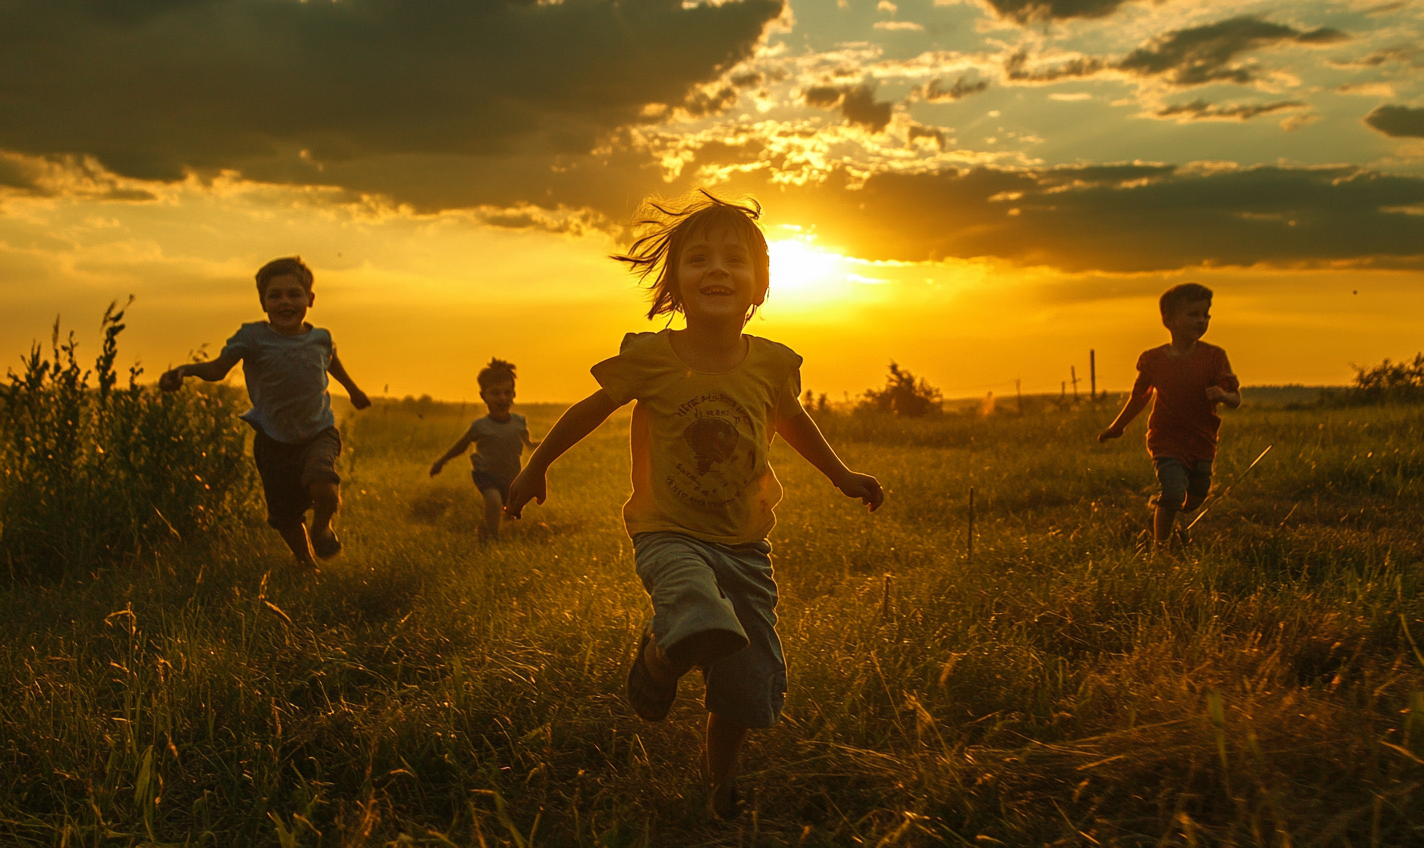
(903, 395)
(92, 476)
(1387, 382)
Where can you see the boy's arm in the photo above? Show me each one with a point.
(528, 443)
(338, 371)
(211, 371)
(457, 449)
(1230, 397)
(801, 432)
(578, 421)
(1136, 402)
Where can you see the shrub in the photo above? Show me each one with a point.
(91, 477)
(903, 395)
(1388, 381)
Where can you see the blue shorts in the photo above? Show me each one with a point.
(485, 480)
(714, 606)
(1180, 480)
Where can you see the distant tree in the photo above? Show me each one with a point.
(903, 395)
(1388, 381)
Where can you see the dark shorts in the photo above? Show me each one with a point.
(1181, 480)
(289, 471)
(714, 606)
(485, 480)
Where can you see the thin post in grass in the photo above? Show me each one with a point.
(1018, 393)
(1073, 372)
(1093, 375)
(885, 601)
(969, 542)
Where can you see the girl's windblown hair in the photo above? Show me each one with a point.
(497, 371)
(665, 226)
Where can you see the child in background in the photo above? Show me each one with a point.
(499, 439)
(1190, 377)
(710, 399)
(285, 362)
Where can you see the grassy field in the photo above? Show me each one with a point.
(1262, 687)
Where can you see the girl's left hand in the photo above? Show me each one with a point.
(864, 487)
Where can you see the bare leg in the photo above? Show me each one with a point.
(296, 539)
(494, 509)
(664, 673)
(724, 748)
(1163, 519)
(326, 500)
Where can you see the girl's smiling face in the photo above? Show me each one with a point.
(716, 280)
(286, 302)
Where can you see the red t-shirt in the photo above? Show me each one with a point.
(1183, 423)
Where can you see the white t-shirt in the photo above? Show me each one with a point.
(286, 380)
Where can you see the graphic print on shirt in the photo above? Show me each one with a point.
(717, 456)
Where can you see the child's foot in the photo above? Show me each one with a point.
(726, 802)
(651, 700)
(1182, 537)
(326, 546)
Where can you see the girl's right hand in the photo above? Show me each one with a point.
(1110, 433)
(435, 469)
(529, 485)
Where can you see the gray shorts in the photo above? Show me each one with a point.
(289, 471)
(714, 606)
(1180, 479)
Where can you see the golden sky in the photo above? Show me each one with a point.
(980, 191)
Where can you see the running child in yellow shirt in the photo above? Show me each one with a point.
(710, 399)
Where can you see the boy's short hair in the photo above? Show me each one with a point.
(497, 371)
(1176, 297)
(666, 226)
(286, 266)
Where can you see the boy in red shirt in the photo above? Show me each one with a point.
(1190, 377)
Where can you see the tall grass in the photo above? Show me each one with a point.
(1061, 687)
(92, 474)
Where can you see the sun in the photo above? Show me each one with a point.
(804, 276)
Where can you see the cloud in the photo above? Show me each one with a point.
(1397, 121)
(936, 92)
(1185, 57)
(1408, 54)
(153, 88)
(1123, 218)
(1030, 11)
(857, 104)
(1200, 110)
(1207, 54)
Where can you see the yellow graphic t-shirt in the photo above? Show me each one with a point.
(700, 440)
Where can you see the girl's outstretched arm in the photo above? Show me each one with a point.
(806, 439)
(578, 421)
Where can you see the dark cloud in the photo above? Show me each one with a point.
(1127, 218)
(857, 104)
(1017, 70)
(919, 131)
(1397, 121)
(1206, 54)
(1030, 11)
(936, 92)
(709, 102)
(1186, 57)
(155, 87)
(1200, 110)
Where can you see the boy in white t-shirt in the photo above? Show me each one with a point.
(499, 439)
(285, 361)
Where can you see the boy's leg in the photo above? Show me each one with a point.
(1172, 475)
(326, 500)
(295, 536)
(494, 510)
(324, 487)
(280, 467)
(724, 749)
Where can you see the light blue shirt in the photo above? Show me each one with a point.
(286, 380)
(498, 445)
